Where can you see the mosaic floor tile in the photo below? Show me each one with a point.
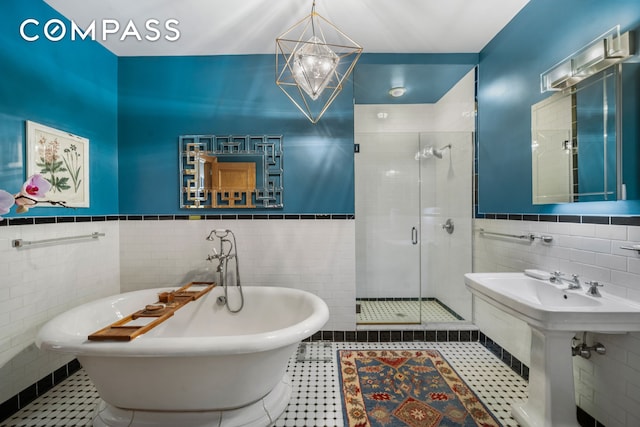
(402, 312)
(315, 400)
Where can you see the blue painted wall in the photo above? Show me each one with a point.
(134, 109)
(68, 85)
(541, 35)
(161, 98)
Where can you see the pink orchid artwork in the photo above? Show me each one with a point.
(32, 192)
(6, 202)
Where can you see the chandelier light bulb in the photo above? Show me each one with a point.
(313, 66)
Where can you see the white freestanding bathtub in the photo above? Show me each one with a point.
(202, 367)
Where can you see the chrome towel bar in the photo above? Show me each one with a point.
(632, 248)
(530, 236)
(19, 243)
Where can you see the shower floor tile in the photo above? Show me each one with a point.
(315, 399)
(381, 311)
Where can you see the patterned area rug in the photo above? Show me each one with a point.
(415, 388)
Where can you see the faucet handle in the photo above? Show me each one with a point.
(593, 288)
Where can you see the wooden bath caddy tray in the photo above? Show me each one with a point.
(168, 303)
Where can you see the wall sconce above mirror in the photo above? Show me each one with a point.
(231, 171)
(609, 49)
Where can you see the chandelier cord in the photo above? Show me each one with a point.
(313, 14)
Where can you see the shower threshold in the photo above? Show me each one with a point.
(403, 311)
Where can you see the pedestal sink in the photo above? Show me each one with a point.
(555, 315)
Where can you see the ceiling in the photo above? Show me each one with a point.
(221, 27)
(234, 27)
(424, 83)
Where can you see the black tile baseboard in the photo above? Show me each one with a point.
(586, 420)
(396, 336)
(29, 394)
(511, 361)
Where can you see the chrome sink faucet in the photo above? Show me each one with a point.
(574, 283)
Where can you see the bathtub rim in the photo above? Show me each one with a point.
(51, 338)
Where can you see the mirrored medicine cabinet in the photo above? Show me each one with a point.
(584, 136)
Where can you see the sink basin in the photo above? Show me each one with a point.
(544, 294)
(549, 306)
(555, 314)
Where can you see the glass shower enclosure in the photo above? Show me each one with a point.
(413, 208)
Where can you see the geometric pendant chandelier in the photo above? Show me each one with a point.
(313, 60)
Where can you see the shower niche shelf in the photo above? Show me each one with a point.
(168, 303)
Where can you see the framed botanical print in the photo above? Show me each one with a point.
(62, 159)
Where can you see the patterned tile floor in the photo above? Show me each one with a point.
(315, 400)
(402, 312)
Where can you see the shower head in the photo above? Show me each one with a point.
(430, 152)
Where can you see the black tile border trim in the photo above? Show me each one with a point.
(464, 335)
(29, 394)
(516, 365)
(576, 219)
(102, 218)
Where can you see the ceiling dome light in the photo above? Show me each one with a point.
(397, 92)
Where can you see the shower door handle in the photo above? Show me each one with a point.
(414, 235)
